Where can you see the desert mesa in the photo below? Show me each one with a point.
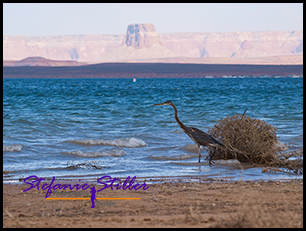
(141, 43)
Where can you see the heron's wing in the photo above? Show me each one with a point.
(202, 137)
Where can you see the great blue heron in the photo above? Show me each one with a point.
(199, 137)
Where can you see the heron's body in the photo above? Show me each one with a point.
(198, 136)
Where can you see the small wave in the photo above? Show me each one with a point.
(192, 148)
(110, 153)
(12, 148)
(231, 162)
(178, 157)
(281, 146)
(191, 163)
(127, 143)
(177, 131)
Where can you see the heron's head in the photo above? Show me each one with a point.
(168, 102)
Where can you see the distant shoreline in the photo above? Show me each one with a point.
(153, 70)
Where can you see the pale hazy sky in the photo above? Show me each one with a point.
(112, 18)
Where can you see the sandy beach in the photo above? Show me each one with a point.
(215, 203)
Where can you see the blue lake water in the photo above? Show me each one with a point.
(49, 124)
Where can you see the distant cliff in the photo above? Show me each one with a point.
(141, 35)
(142, 42)
(39, 61)
(62, 47)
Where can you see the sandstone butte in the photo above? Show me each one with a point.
(142, 43)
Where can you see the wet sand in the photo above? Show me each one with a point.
(169, 204)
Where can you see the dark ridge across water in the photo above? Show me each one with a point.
(151, 70)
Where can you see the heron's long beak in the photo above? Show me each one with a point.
(158, 104)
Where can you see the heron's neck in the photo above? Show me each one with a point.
(177, 119)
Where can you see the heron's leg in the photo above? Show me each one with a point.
(211, 156)
(199, 147)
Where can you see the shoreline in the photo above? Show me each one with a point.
(152, 70)
(168, 204)
(210, 178)
(243, 173)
